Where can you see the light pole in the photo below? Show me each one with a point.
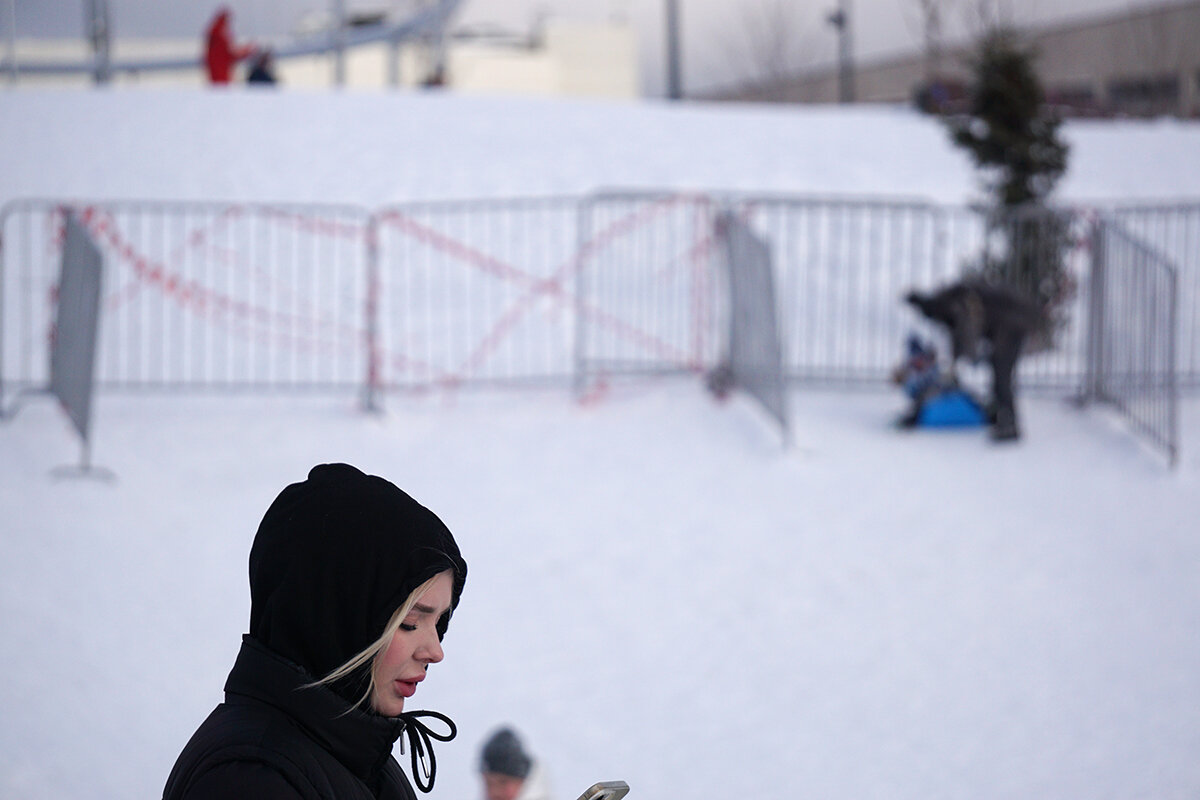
(674, 75)
(12, 40)
(339, 42)
(100, 38)
(840, 19)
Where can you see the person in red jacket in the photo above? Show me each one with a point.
(221, 55)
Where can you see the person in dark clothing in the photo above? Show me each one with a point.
(986, 321)
(262, 68)
(352, 585)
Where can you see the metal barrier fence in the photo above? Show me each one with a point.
(647, 287)
(1132, 347)
(474, 292)
(196, 295)
(1172, 231)
(414, 296)
(842, 268)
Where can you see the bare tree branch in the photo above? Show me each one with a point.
(767, 43)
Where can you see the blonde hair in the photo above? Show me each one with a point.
(372, 650)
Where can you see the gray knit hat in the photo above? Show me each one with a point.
(503, 754)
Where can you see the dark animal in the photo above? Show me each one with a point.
(992, 322)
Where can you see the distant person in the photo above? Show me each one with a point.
(352, 587)
(919, 375)
(436, 79)
(221, 55)
(936, 400)
(262, 68)
(509, 772)
(992, 322)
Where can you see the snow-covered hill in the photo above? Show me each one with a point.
(658, 592)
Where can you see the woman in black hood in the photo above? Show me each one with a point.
(352, 584)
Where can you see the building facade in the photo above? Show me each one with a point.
(1139, 63)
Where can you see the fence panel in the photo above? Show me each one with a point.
(1132, 351)
(1173, 231)
(211, 295)
(196, 295)
(476, 292)
(844, 266)
(648, 301)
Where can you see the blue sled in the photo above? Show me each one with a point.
(952, 408)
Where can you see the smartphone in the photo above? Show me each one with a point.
(606, 790)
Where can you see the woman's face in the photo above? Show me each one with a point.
(400, 667)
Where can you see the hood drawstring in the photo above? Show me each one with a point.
(419, 736)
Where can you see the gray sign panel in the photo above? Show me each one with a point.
(73, 352)
(755, 354)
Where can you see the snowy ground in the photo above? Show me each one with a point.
(372, 149)
(659, 592)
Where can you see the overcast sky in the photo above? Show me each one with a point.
(721, 42)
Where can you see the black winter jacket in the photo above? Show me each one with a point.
(271, 738)
(333, 558)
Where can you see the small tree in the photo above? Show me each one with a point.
(1011, 135)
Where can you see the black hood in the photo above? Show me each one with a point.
(334, 557)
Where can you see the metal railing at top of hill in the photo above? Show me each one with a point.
(562, 290)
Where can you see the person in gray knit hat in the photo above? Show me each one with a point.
(509, 772)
